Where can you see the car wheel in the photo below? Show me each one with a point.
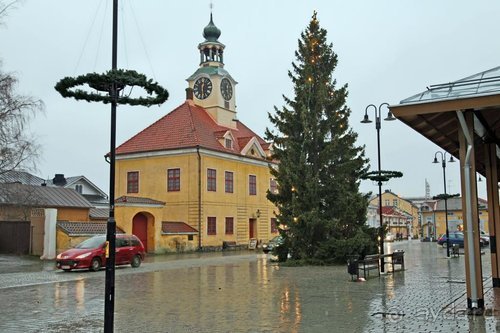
(95, 264)
(265, 251)
(444, 245)
(136, 261)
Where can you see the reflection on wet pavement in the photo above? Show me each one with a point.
(245, 292)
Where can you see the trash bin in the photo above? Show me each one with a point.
(352, 266)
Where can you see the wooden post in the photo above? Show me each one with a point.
(473, 270)
(493, 209)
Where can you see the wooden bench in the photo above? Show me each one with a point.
(370, 262)
(397, 258)
(229, 245)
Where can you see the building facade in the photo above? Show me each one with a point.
(435, 216)
(197, 177)
(402, 207)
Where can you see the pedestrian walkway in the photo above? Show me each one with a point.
(430, 296)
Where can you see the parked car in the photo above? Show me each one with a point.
(485, 237)
(273, 243)
(91, 253)
(456, 237)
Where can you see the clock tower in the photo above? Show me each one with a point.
(213, 87)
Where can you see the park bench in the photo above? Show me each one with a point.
(226, 245)
(397, 258)
(372, 262)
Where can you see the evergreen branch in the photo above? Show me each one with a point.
(105, 82)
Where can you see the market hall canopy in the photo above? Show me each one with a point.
(432, 113)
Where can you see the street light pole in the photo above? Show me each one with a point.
(109, 297)
(378, 126)
(443, 164)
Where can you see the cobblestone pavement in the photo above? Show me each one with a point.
(245, 292)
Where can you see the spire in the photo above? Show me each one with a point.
(211, 50)
(211, 32)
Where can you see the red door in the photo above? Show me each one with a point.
(140, 229)
(251, 228)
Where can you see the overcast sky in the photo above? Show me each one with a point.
(388, 50)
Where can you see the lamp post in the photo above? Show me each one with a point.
(366, 120)
(445, 196)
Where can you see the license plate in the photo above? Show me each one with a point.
(65, 267)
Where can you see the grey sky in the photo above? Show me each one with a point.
(388, 50)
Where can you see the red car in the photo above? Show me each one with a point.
(91, 253)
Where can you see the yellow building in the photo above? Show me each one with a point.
(390, 199)
(197, 177)
(435, 216)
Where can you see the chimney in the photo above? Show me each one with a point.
(189, 94)
(59, 179)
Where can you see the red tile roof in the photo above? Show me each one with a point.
(177, 228)
(187, 126)
(390, 210)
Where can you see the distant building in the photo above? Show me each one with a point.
(80, 184)
(402, 207)
(434, 215)
(33, 210)
(29, 215)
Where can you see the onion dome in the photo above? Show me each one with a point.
(211, 32)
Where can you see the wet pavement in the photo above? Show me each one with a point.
(246, 292)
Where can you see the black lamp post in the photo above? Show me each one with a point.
(109, 300)
(109, 87)
(445, 196)
(366, 120)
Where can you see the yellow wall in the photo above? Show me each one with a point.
(64, 241)
(182, 206)
(73, 214)
(453, 215)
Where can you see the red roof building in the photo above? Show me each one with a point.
(198, 166)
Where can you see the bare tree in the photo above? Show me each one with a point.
(18, 148)
(5, 6)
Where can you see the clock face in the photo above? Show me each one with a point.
(226, 89)
(202, 88)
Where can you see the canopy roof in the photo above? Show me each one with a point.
(432, 113)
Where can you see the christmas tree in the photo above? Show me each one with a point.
(321, 214)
